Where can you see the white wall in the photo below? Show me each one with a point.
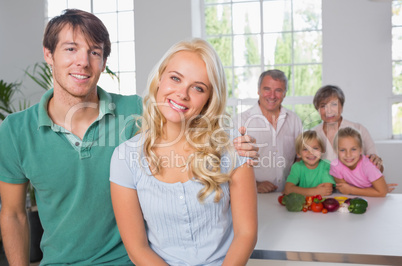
(357, 57)
(356, 54)
(21, 30)
(167, 22)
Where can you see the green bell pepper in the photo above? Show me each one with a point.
(358, 205)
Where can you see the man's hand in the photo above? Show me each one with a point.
(265, 187)
(244, 146)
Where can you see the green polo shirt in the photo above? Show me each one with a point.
(303, 177)
(71, 177)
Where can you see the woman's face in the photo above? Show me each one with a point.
(184, 87)
(330, 110)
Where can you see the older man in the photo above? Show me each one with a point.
(275, 129)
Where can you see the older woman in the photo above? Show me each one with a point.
(328, 101)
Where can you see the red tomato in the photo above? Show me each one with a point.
(324, 210)
(317, 207)
(280, 199)
(319, 197)
(304, 209)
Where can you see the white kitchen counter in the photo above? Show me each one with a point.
(374, 237)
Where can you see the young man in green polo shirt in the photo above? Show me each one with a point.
(63, 147)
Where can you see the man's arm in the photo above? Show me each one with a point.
(14, 223)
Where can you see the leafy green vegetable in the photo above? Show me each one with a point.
(294, 202)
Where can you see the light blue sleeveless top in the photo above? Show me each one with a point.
(180, 229)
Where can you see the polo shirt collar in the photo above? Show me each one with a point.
(105, 100)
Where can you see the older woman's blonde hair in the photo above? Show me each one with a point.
(210, 140)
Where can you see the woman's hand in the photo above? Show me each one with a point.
(377, 161)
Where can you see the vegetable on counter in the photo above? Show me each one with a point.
(331, 204)
(280, 198)
(317, 206)
(294, 202)
(357, 205)
(341, 199)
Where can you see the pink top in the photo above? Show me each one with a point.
(330, 154)
(362, 176)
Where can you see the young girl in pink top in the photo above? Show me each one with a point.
(353, 172)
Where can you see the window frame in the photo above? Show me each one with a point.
(395, 98)
(290, 99)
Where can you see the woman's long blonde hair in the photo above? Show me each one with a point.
(210, 140)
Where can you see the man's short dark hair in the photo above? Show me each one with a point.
(90, 25)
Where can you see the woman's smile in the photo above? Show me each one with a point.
(176, 106)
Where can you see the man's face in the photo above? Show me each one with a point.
(271, 94)
(76, 63)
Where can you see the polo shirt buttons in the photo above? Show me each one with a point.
(77, 144)
(181, 197)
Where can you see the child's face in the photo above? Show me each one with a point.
(349, 151)
(311, 154)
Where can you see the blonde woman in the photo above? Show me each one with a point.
(180, 193)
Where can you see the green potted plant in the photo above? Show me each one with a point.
(41, 74)
(7, 91)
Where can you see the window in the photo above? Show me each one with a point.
(396, 100)
(118, 17)
(252, 36)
